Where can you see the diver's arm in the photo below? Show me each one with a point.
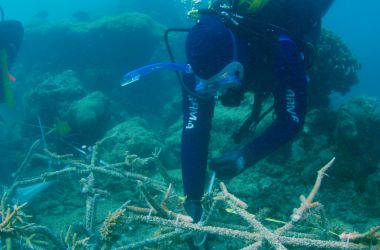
(290, 105)
(197, 116)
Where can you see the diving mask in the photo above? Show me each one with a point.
(229, 76)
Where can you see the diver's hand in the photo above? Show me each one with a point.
(229, 165)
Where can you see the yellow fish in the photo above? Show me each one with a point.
(62, 127)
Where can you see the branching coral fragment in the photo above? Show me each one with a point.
(261, 233)
(372, 236)
(309, 201)
(236, 205)
(227, 195)
(73, 242)
(163, 211)
(245, 235)
(306, 203)
(15, 227)
(109, 230)
(135, 162)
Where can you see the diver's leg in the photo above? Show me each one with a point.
(197, 117)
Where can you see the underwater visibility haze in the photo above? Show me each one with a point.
(86, 163)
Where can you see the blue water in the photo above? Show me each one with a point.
(355, 21)
(25, 10)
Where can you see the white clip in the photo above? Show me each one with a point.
(177, 220)
(150, 213)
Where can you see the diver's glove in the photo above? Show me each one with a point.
(231, 164)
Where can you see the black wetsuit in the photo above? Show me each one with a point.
(286, 72)
(11, 35)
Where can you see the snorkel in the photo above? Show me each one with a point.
(228, 77)
(136, 74)
(208, 87)
(201, 58)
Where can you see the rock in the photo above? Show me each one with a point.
(134, 136)
(52, 97)
(357, 138)
(89, 116)
(334, 69)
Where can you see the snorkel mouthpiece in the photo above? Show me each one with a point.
(130, 79)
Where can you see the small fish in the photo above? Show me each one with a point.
(230, 211)
(182, 198)
(11, 77)
(62, 127)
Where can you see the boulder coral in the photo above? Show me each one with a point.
(134, 136)
(357, 137)
(89, 116)
(335, 69)
(62, 99)
(52, 97)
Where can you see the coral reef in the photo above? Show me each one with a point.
(357, 138)
(156, 203)
(17, 232)
(53, 96)
(118, 193)
(133, 135)
(335, 69)
(89, 116)
(60, 101)
(99, 51)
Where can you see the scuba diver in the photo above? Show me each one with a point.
(260, 46)
(237, 46)
(11, 35)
